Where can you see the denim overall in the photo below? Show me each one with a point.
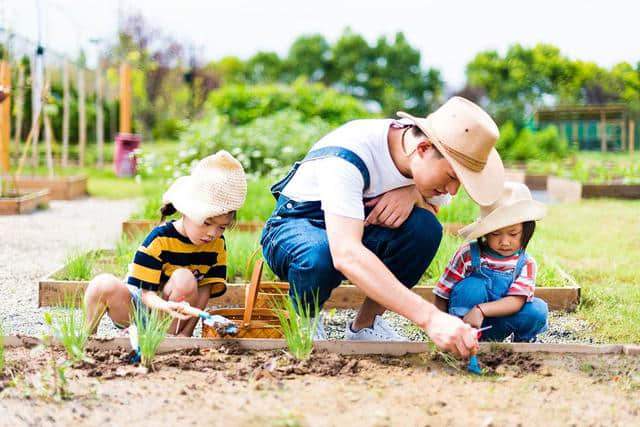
(485, 285)
(295, 244)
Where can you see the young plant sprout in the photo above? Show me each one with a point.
(152, 327)
(68, 326)
(298, 327)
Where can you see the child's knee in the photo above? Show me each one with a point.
(183, 284)
(538, 311)
(102, 287)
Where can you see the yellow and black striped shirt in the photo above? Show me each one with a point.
(165, 250)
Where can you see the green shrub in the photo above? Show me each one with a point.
(244, 104)
(544, 144)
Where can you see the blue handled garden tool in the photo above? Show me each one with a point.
(221, 324)
(474, 366)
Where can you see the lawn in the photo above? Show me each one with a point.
(598, 243)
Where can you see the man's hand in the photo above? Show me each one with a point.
(474, 317)
(451, 334)
(392, 208)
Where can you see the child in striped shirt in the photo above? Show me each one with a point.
(179, 261)
(491, 279)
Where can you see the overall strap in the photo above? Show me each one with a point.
(343, 153)
(475, 256)
(322, 153)
(522, 261)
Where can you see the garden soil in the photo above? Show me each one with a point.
(234, 387)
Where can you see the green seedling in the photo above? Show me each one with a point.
(298, 327)
(69, 327)
(152, 327)
(79, 266)
(54, 383)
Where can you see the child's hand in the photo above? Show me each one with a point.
(177, 310)
(474, 317)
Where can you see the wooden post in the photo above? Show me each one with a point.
(17, 135)
(603, 132)
(632, 136)
(5, 117)
(125, 98)
(574, 132)
(66, 107)
(36, 105)
(623, 134)
(48, 133)
(99, 114)
(82, 124)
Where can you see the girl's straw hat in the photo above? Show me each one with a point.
(514, 206)
(216, 186)
(466, 136)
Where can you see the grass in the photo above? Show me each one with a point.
(298, 327)
(69, 327)
(598, 243)
(152, 326)
(462, 209)
(240, 247)
(79, 265)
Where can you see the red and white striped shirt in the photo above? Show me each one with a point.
(460, 267)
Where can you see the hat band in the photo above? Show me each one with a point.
(466, 161)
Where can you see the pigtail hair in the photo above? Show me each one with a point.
(167, 210)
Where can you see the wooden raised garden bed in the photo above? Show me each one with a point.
(620, 191)
(135, 226)
(564, 190)
(24, 203)
(536, 182)
(51, 292)
(60, 187)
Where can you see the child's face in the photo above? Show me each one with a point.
(505, 241)
(211, 230)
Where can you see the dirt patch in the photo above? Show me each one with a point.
(504, 361)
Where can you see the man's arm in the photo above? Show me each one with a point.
(367, 271)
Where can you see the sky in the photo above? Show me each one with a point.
(448, 33)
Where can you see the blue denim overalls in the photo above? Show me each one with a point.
(295, 244)
(486, 285)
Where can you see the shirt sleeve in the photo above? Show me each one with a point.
(146, 270)
(455, 271)
(217, 274)
(341, 188)
(525, 283)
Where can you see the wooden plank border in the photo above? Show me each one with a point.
(171, 344)
(50, 292)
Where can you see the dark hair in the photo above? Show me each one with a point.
(416, 132)
(528, 228)
(167, 210)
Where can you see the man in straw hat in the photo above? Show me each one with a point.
(347, 210)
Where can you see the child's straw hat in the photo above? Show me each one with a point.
(216, 186)
(466, 136)
(514, 206)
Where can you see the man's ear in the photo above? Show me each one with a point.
(423, 147)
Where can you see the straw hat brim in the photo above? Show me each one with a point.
(504, 216)
(483, 187)
(188, 200)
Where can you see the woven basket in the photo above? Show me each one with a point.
(253, 320)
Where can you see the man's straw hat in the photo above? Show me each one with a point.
(514, 206)
(216, 186)
(466, 136)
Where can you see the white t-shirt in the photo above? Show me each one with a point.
(337, 183)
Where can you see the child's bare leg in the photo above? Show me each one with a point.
(189, 325)
(181, 286)
(107, 293)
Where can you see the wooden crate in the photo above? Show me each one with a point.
(60, 187)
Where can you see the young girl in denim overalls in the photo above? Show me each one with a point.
(491, 280)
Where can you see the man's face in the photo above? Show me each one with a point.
(432, 173)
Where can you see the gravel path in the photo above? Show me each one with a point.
(33, 245)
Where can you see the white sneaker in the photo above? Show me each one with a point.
(320, 334)
(379, 331)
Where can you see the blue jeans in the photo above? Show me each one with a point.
(525, 324)
(296, 247)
